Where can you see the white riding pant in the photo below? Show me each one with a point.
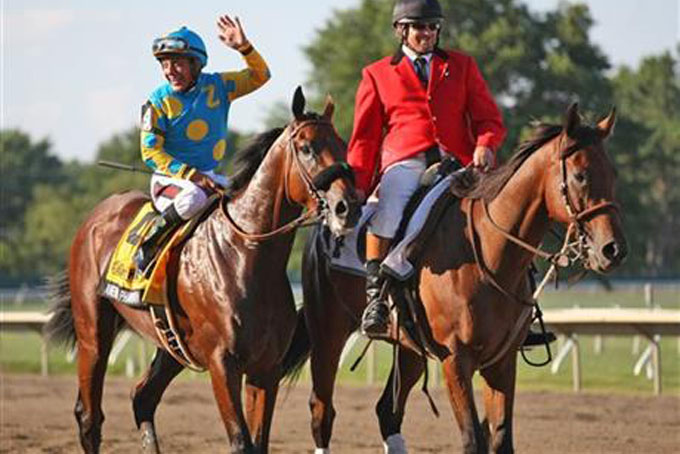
(397, 184)
(187, 197)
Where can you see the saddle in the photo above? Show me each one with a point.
(123, 281)
(438, 191)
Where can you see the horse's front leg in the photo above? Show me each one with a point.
(499, 397)
(458, 372)
(226, 375)
(329, 328)
(260, 400)
(410, 369)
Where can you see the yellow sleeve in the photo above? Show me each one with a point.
(249, 79)
(152, 140)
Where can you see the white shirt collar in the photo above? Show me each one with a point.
(412, 55)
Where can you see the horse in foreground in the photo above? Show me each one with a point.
(472, 281)
(233, 301)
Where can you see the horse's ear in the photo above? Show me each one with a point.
(298, 103)
(606, 125)
(572, 120)
(329, 109)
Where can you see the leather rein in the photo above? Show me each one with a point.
(321, 207)
(569, 253)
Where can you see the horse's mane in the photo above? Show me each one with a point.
(248, 159)
(489, 185)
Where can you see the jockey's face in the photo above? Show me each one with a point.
(178, 72)
(422, 36)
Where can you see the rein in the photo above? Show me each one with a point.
(315, 187)
(569, 253)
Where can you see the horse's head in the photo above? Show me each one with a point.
(580, 190)
(318, 177)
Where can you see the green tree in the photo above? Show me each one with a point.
(645, 147)
(26, 165)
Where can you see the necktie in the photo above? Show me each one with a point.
(421, 69)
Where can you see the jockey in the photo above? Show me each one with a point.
(412, 108)
(184, 124)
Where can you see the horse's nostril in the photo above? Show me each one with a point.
(340, 208)
(614, 251)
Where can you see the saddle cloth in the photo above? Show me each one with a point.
(122, 280)
(346, 256)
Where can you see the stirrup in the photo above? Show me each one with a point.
(143, 258)
(533, 339)
(375, 322)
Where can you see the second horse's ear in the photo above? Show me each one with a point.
(606, 125)
(329, 109)
(298, 103)
(572, 120)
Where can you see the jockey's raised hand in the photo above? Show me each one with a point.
(231, 32)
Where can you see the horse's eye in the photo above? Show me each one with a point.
(580, 178)
(306, 150)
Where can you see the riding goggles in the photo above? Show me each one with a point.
(432, 26)
(172, 44)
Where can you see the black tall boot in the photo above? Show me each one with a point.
(376, 318)
(164, 224)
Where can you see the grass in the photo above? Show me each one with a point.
(609, 371)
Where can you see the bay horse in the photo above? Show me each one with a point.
(234, 303)
(472, 282)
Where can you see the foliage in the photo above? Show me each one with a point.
(646, 149)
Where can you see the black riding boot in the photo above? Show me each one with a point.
(376, 318)
(163, 225)
(534, 338)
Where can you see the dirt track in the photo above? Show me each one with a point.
(36, 417)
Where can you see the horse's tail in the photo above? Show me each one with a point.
(298, 351)
(60, 328)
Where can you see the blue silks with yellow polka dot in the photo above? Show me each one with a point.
(188, 130)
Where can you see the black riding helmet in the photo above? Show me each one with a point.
(416, 11)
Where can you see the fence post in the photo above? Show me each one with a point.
(43, 357)
(656, 361)
(576, 363)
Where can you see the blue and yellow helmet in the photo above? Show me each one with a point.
(183, 42)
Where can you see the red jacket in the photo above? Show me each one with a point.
(396, 118)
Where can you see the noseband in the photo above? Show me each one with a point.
(316, 187)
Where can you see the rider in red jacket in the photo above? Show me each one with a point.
(419, 103)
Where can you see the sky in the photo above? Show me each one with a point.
(77, 71)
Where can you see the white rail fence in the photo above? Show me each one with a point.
(648, 323)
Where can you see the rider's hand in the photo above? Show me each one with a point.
(483, 158)
(231, 32)
(204, 182)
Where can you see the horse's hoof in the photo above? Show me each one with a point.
(395, 444)
(149, 440)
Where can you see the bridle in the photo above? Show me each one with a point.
(316, 187)
(573, 249)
